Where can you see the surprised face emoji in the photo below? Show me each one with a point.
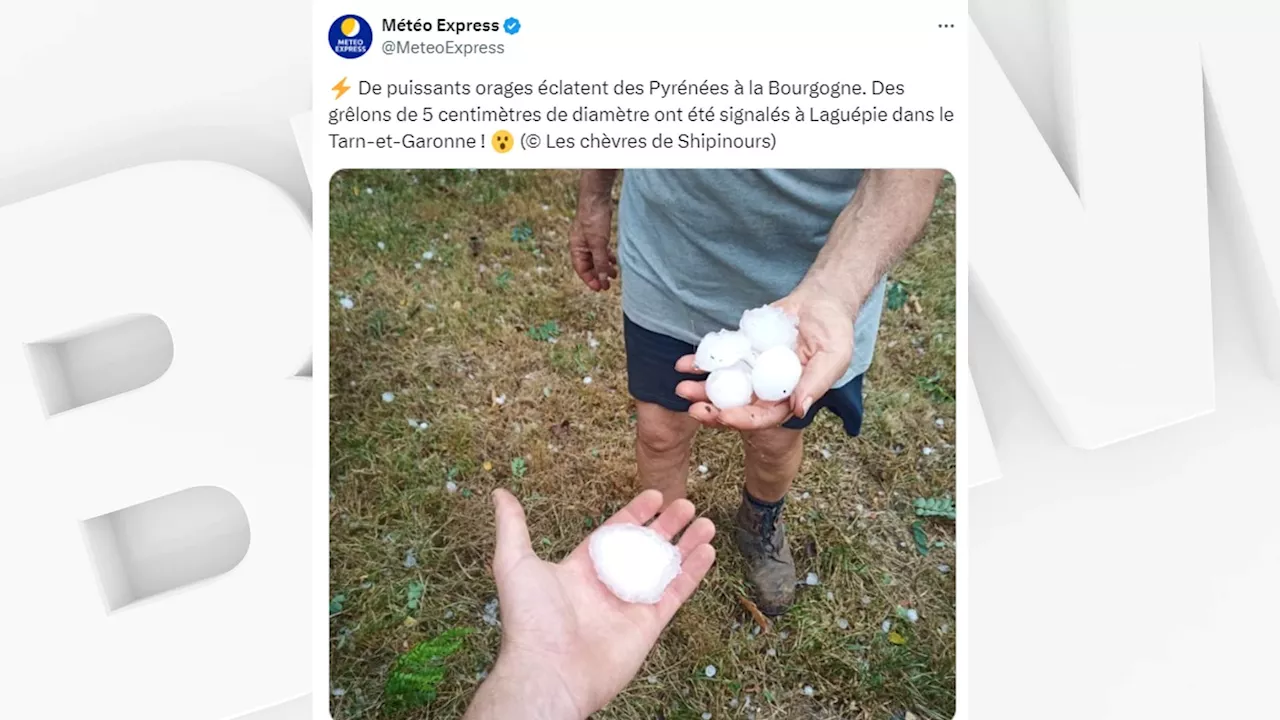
(502, 141)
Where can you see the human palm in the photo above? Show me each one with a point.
(560, 619)
(824, 345)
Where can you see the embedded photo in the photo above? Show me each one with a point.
(642, 443)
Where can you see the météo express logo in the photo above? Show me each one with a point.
(350, 36)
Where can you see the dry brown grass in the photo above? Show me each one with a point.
(448, 338)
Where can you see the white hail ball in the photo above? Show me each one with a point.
(721, 349)
(730, 387)
(776, 373)
(634, 562)
(769, 327)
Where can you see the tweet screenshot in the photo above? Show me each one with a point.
(638, 328)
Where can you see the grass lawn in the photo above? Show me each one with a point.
(464, 308)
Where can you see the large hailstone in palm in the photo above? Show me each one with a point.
(769, 327)
(721, 349)
(730, 387)
(634, 562)
(776, 373)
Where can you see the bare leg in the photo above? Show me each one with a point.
(664, 440)
(772, 461)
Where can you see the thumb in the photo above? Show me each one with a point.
(512, 543)
(821, 372)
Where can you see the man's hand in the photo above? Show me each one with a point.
(825, 347)
(568, 644)
(594, 262)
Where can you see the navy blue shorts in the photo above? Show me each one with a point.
(652, 377)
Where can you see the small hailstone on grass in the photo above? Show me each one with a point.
(729, 387)
(842, 623)
(382, 245)
(826, 454)
(927, 451)
(423, 425)
(368, 191)
(811, 579)
(706, 716)
(428, 255)
(592, 342)
(721, 349)
(771, 652)
(653, 679)
(586, 380)
(339, 692)
(733, 702)
(702, 469)
(417, 266)
(775, 373)
(808, 690)
(413, 423)
(944, 568)
(884, 626)
(346, 302)
(388, 397)
(710, 671)
(911, 615)
(769, 327)
(831, 595)
(491, 612)
(448, 614)
(804, 495)
(410, 560)
(500, 400)
(634, 562)
(940, 422)
(451, 486)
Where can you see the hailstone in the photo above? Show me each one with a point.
(768, 327)
(634, 562)
(730, 387)
(721, 349)
(776, 373)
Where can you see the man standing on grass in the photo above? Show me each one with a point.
(697, 248)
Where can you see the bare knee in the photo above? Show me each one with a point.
(662, 432)
(773, 447)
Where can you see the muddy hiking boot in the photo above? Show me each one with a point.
(762, 539)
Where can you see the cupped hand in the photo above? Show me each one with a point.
(825, 348)
(593, 261)
(562, 628)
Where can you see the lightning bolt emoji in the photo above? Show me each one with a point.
(341, 88)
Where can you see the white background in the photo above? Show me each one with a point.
(1133, 580)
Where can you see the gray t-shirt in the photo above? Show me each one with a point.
(697, 247)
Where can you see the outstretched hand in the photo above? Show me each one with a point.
(563, 632)
(825, 347)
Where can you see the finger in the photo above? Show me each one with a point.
(699, 533)
(673, 519)
(639, 511)
(692, 390)
(705, 413)
(681, 589)
(583, 264)
(756, 416)
(512, 544)
(688, 366)
(601, 258)
(821, 372)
